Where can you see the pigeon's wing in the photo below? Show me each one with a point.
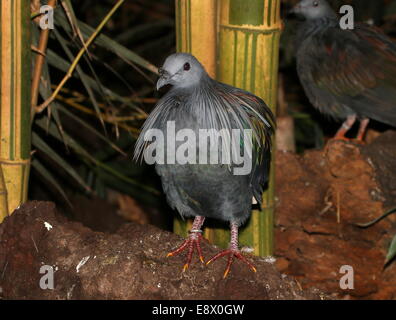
(355, 69)
(258, 117)
(258, 111)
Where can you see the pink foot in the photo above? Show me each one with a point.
(232, 253)
(192, 241)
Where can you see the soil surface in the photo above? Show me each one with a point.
(129, 264)
(320, 199)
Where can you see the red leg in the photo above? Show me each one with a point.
(340, 135)
(192, 241)
(362, 129)
(232, 252)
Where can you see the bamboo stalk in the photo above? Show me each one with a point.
(249, 33)
(15, 83)
(196, 33)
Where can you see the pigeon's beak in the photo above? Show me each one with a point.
(295, 11)
(161, 82)
(163, 79)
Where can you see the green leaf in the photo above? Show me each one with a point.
(391, 252)
(73, 144)
(107, 43)
(37, 165)
(91, 129)
(368, 224)
(44, 147)
(82, 76)
(58, 62)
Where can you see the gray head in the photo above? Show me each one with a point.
(313, 9)
(181, 70)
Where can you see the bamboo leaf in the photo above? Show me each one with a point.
(91, 129)
(92, 160)
(391, 251)
(107, 43)
(58, 62)
(36, 164)
(71, 16)
(45, 92)
(43, 146)
(79, 55)
(82, 76)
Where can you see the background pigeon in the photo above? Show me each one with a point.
(196, 101)
(347, 74)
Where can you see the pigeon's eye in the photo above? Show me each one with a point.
(186, 66)
(315, 3)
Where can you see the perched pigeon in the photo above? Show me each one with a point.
(196, 102)
(347, 74)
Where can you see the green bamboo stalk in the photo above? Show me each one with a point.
(15, 83)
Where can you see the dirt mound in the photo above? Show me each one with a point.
(321, 196)
(129, 264)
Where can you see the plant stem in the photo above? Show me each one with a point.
(73, 66)
(38, 66)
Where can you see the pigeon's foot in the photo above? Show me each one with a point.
(341, 138)
(232, 253)
(192, 241)
(350, 140)
(345, 139)
(358, 141)
(340, 135)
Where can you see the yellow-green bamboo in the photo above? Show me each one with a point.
(15, 79)
(196, 33)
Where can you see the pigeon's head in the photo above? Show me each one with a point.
(313, 9)
(180, 70)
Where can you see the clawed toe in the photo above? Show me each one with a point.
(190, 243)
(231, 255)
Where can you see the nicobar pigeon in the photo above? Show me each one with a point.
(212, 190)
(348, 74)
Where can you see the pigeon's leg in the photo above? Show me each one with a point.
(192, 241)
(362, 129)
(232, 252)
(340, 135)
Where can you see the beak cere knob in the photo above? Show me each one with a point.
(161, 82)
(163, 79)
